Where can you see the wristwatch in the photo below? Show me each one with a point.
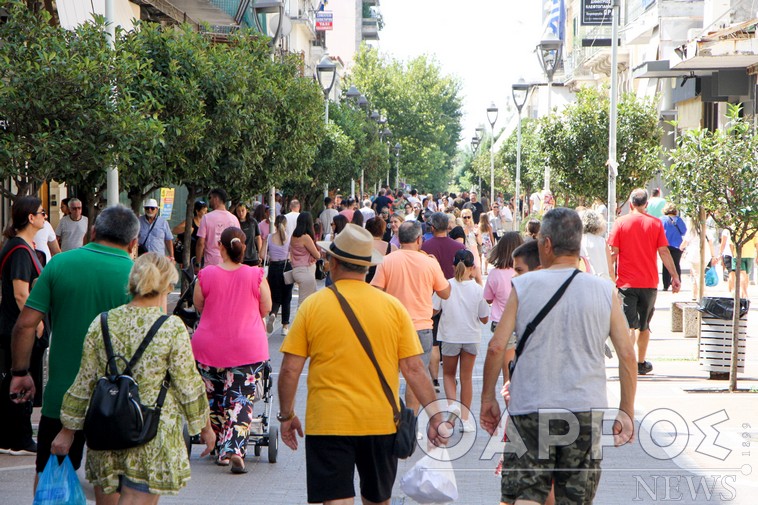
(288, 417)
(20, 373)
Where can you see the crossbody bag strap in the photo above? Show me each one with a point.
(544, 312)
(358, 329)
(9, 253)
(149, 232)
(145, 342)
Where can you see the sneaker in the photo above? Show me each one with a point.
(644, 368)
(436, 383)
(468, 425)
(29, 450)
(270, 323)
(285, 330)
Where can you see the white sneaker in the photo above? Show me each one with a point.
(468, 425)
(270, 323)
(285, 330)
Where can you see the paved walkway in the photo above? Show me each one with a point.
(678, 392)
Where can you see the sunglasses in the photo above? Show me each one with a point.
(43, 212)
(150, 208)
(466, 217)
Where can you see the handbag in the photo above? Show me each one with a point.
(142, 248)
(288, 274)
(320, 274)
(405, 418)
(537, 320)
(116, 419)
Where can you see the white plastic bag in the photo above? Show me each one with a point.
(431, 479)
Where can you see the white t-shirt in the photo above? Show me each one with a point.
(368, 213)
(72, 232)
(536, 200)
(459, 323)
(42, 237)
(728, 247)
(291, 223)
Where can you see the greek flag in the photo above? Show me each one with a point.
(555, 19)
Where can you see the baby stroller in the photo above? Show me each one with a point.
(261, 434)
(184, 307)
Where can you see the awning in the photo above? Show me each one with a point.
(661, 69)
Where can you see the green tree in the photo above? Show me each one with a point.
(575, 144)
(716, 171)
(57, 95)
(532, 159)
(424, 109)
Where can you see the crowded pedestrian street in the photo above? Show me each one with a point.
(692, 471)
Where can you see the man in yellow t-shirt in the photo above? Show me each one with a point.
(350, 421)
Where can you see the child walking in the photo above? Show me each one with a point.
(488, 239)
(498, 286)
(460, 333)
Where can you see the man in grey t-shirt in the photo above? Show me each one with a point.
(72, 229)
(561, 369)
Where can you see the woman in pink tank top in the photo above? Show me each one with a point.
(230, 343)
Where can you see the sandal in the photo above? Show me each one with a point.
(238, 465)
(223, 462)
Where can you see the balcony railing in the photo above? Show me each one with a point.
(370, 29)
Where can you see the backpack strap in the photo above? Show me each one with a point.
(145, 342)
(110, 366)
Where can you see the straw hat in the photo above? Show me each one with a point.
(353, 245)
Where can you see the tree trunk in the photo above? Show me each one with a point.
(735, 320)
(189, 214)
(701, 273)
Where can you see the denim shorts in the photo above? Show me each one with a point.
(137, 486)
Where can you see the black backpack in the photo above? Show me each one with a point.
(116, 419)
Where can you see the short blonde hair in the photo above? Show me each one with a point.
(152, 275)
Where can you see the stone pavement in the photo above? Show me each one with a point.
(669, 402)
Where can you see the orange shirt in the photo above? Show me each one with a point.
(412, 277)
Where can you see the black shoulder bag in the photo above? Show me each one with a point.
(116, 419)
(405, 418)
(537, 320)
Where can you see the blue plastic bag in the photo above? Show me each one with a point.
(59, 485)
(711, 277)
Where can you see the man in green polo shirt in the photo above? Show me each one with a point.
(73, 289)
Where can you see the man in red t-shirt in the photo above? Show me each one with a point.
(634, 241)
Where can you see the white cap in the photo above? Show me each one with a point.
(150, 202)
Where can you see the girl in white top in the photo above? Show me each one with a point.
(460, 332)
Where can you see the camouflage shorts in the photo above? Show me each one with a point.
(574, 469)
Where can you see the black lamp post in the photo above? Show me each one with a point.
(492, 113)
(549, 52)
(520, 92)
(267, 10)
(326, 73)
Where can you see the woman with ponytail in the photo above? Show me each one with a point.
(460, 332)
(20, 267)
(230, 344)
(281, 292)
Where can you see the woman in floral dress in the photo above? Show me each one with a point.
(230, 344)
(160, 466)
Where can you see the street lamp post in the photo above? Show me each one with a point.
(549, 52)
(479, 134)
(612, 162)
(386, 134)
(268, 9)
(492, 118)
(326, 74)
(520, 92)
(397, 163)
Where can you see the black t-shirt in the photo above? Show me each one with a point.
(476, 210)
(381, 202)
(250, 228)
(22, 264)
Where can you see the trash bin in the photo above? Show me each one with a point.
(716, 335)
